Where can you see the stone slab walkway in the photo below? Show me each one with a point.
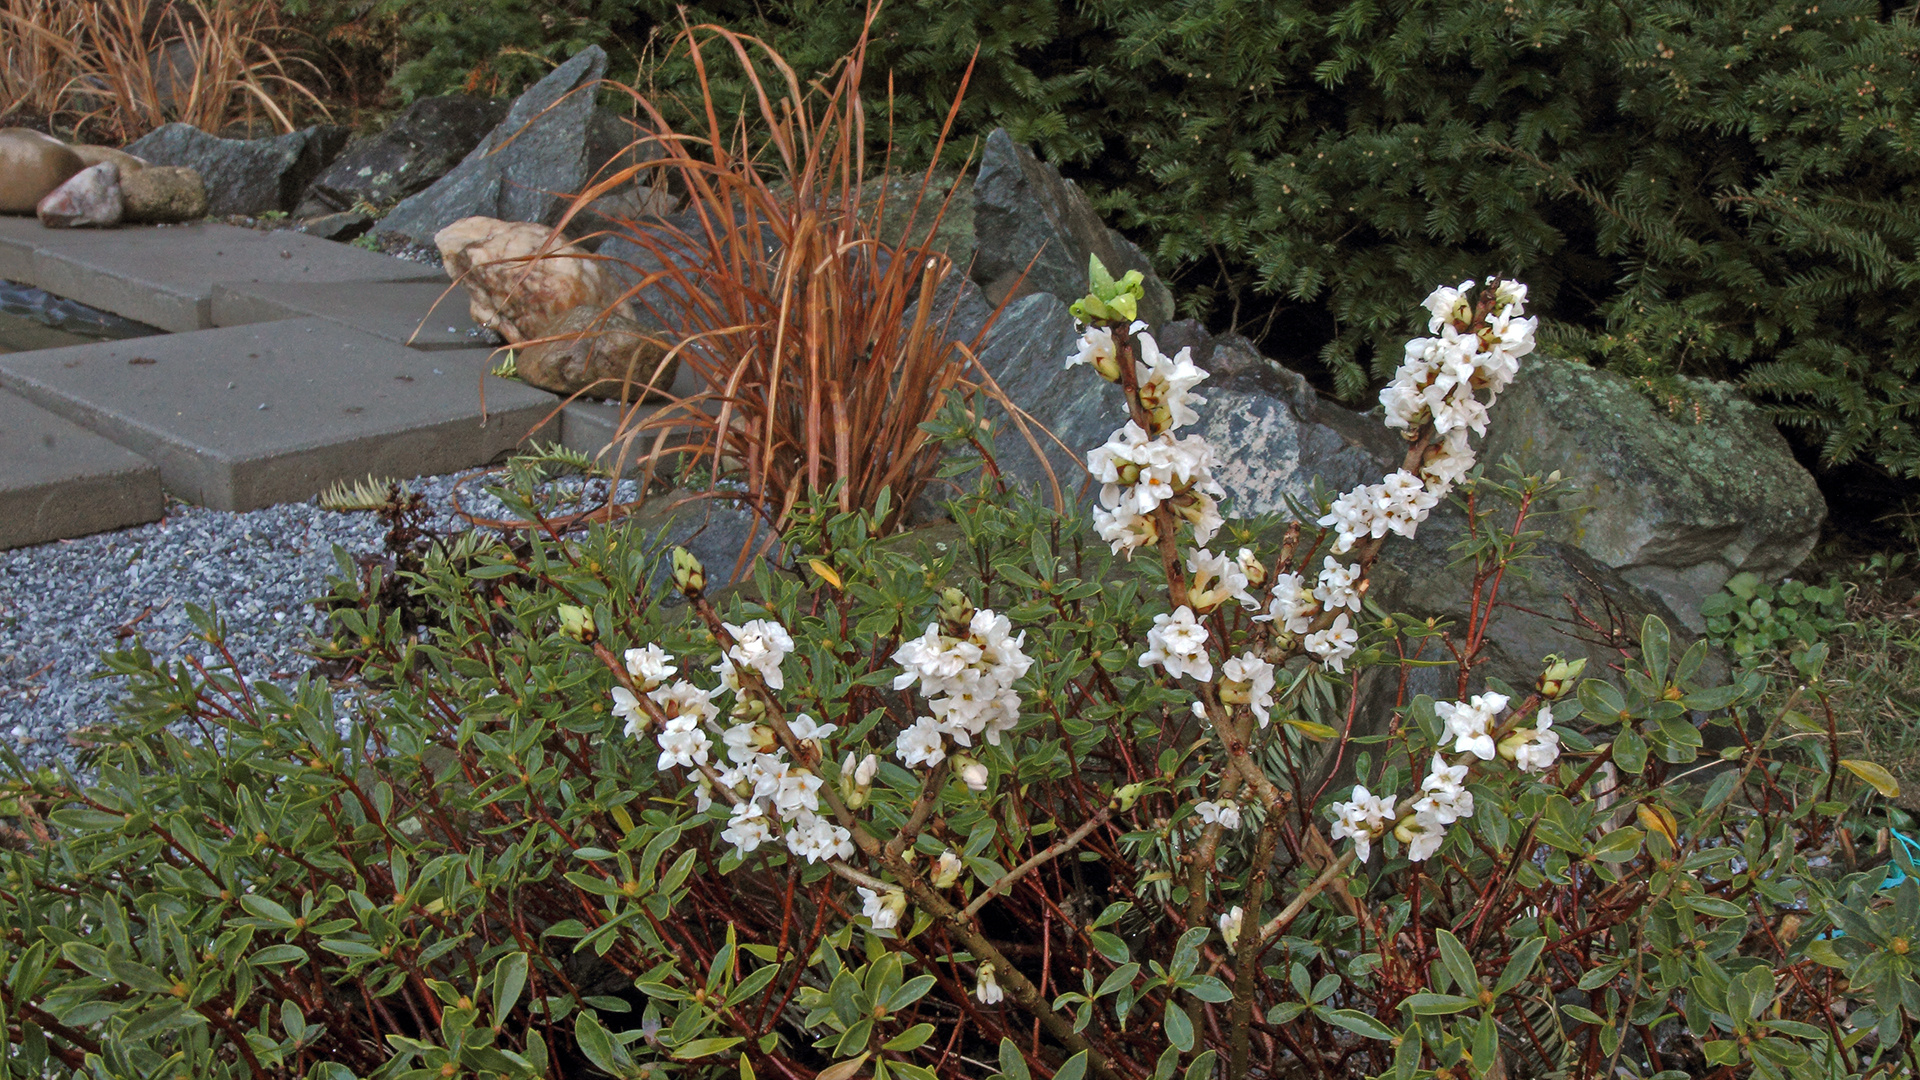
(293, 363)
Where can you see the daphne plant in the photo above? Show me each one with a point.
(1141, 796)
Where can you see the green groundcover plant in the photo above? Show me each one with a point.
(1025, 797)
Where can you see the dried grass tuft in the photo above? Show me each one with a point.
(814, 342)
(120, 68)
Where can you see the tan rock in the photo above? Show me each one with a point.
(94, 155)
(32, 165)
(520, 278)
(608, 357)
(163, 194)
(89, 197)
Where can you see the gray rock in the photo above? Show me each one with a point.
(1022, 208)
(1677, 502)
(525, 167)
(341, 227)
(408, 155)
(245, 176)
(89, 197)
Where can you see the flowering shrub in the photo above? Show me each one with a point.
(1005, 800)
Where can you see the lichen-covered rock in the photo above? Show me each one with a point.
(525, 168)
(163, 194)
(89, 197)
(1022, 209)
(31, 166)
(245, 176)
(597, 355)
(1676, 501)
(519, 278)
(407, 156)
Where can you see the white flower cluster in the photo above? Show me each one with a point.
(1439, 381)
(1178, 642)
(1361, 819)
(1140, 470)
(968, 684)
(772, 791)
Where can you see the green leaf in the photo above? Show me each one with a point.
(1074, 1069)
(700, 1048)
(1459, 964)
(1179, 1029)
(509, 979)
(911, 1039)
(1012, 1065)
(1520, 965)
(1439, 1004)
(1882, 780)
(1357, 1022)
(1620, 845)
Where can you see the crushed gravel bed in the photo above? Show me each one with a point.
(64, 604)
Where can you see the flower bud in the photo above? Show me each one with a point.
(1510, 746)
(1108, 367)
(747, 709)
(972, 772)
(1559, 678)
(577, 623)
(1129, 474)
(856, 780)
(1406, 829)
(955, 611)
(1127, 796)
(946, 870)
(1234, 692)
(688, 575)
(1251, 566)
(863, 775)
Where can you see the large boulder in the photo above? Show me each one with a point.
(1676, 500)
(1023, 209)
(525, 168)
(420, 146)
(520, 279)
(245, 176)
(31, 166)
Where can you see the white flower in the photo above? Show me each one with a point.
(1360, 819)
(1336, 587)
(805, 729)
(883, 908)
(817, 839)
(1225, 813)
(798, 792)
(1444, 795)
(1096, 345)
(1470, 724)
(1124, 530)
(1541, 747)
(1334, 644)
(1423, 835)
(1230, 925)
(1166, 383)
(745, 741)
(748, 828)
(968, 681)
(1215, 579)
(682, 742)
(933, 659)
(946, 870)
(1447, 304)
(988, 990)
(975, 775)
(1178, 643)
(1448, 462)
(921, 744)
(649, 666)
(1202, 511)
(761, 644)
(1250, 683)
(1292, 605)
(683, 699)
(627, 707)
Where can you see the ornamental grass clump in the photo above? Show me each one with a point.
(1002, 800)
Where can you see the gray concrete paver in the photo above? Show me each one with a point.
(58, 480)
(164, 275)
(247, 416)
(421, 314)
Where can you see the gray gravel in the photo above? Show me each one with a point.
(62, 604)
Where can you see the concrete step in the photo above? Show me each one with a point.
(164, 275)
(248, 416)
(421, 314)
(58, 480)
